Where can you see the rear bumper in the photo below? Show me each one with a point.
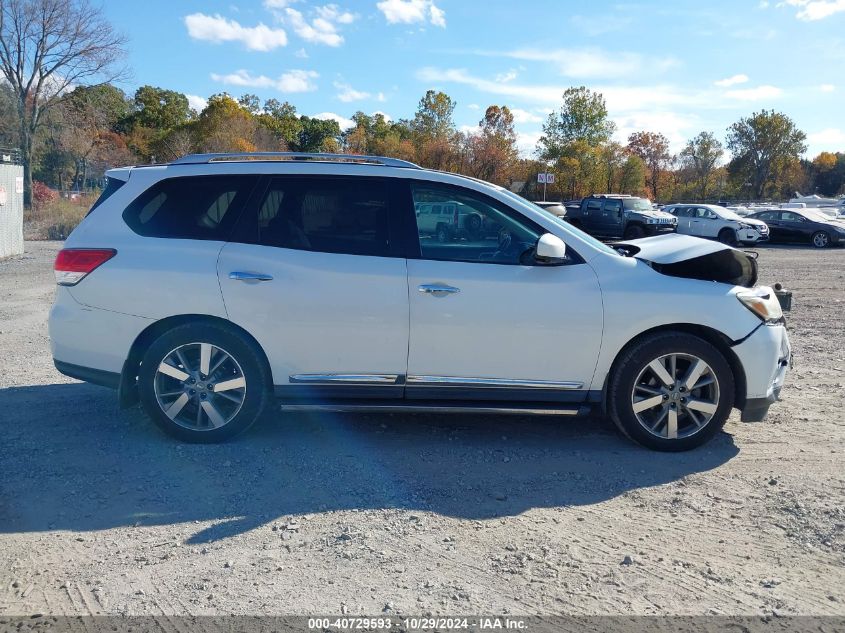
(90, 343)
(766, 356)
(87, 374)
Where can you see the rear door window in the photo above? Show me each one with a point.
(328, 215)
(190, 207)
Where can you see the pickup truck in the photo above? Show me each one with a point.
(613, 216)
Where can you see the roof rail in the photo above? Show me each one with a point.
(200, 159)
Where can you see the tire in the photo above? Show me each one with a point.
(634, 232)
(473, 226)
(820, 239)
(712, 402)
(727, 236)
(442, 234)
(223, 416)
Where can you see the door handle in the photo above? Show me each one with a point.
(243, 276)
(438, 290)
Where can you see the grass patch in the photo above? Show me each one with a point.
(53, 220)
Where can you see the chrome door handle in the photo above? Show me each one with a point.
(438, 290)
(242, 276)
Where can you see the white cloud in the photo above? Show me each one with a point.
(676, 127)
(291, 81)
(731, 81)
(348, 94)
(591, 63)
(618, 98)
(215, 28)
(827, 87)
(334, 13)
(508, 76)
(810, 10)
(828, 140)
(411, 11)
(524, 116)
(278, 4)
(318, 31)
(386, 116)
(764, 4)
(474, 106)
(526, 142)
(197, 103)
(381, 97)
(301, 54)
(759, 93)
(343, 122)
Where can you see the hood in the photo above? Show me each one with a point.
(752, 222)
(694, 258)
(653, 213)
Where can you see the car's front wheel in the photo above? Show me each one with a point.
(634, 232)
(671, 391)
(821, 239)
(202, 382)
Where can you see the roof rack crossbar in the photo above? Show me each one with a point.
(200, 159)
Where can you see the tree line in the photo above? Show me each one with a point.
(61, 107)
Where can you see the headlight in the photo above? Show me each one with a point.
(743, 225)
(762, 302)
(650, 221)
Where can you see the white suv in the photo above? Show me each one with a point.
(711, 220)
(206, 287)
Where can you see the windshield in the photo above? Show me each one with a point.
(587, 238)
(637, 204)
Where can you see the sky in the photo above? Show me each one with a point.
(677, 67)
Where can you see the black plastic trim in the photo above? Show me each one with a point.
(94, 376)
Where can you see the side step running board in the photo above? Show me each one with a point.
(480, 409)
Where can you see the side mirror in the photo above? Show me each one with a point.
(550, 249)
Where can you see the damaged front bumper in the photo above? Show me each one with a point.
(766, 356)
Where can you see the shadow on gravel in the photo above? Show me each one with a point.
(70, 460)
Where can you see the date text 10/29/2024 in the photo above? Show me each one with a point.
(491, 623)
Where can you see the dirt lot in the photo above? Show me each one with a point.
(100, 513)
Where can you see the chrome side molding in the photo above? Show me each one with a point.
(347, 379)
(460, 381)
(343, 407)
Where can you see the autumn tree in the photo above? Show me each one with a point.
(829, 173)
(573, 137)
(632, 177)
(224, 126)
(492, 150)
(653, 150)
(701, 156)
(582, 117)
(762, 145)
(47, 46)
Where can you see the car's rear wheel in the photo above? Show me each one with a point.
(727, 236)
(442, 234)
(634, 232)
(821, 239)
(671, 391)
(202, 382)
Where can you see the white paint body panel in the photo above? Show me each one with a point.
(520, 322)
(322, 313)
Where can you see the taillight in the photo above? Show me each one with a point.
(73, 264)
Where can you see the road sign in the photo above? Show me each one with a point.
(546, 178)
(550, 179)
(541, 177)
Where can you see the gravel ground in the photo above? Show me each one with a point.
(100, 513)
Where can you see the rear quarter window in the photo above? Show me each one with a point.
(190, 207)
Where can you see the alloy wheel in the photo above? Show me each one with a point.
(200, 386)
(675, 396)
(820, 239)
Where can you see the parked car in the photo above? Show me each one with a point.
(448, 220)
(713, 221)
(739, 210)
(209, 286)
(555, 208)
(804, 225)
(614, 216)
